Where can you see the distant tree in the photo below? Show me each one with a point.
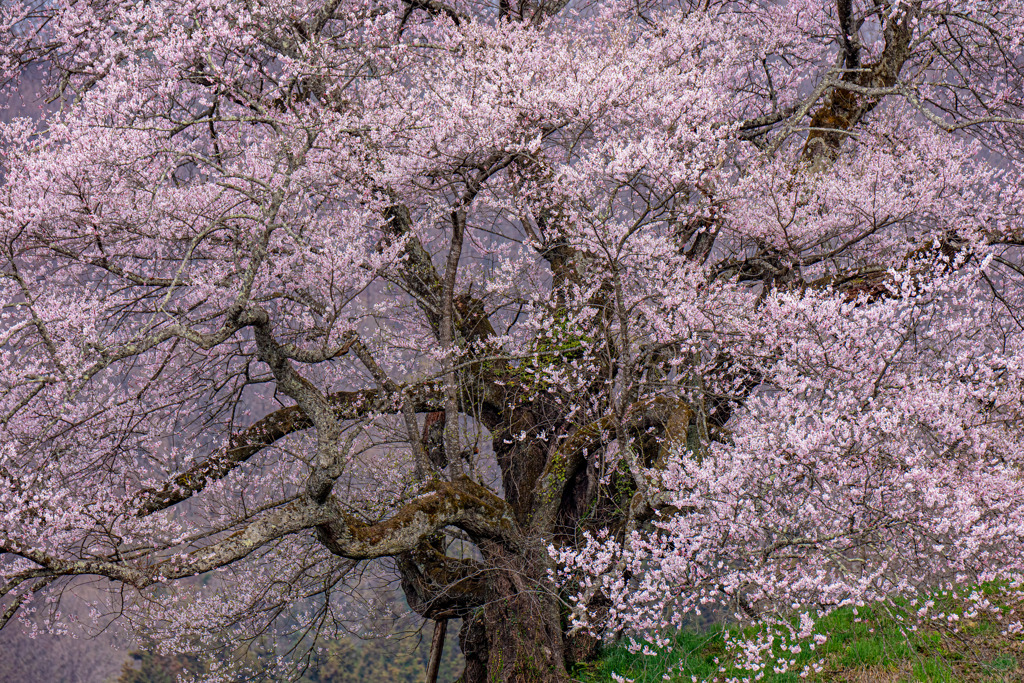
(637, 305)
(149, 666)
(351, 660)
(344, 660)
(29, 656)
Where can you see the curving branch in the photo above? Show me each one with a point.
(437, 9)
(441, 587)
(461, 503)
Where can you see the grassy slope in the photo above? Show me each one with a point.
(957, 639)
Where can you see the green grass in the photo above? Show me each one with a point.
(884, 643)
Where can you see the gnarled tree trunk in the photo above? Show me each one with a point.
(515, 635)
(521, 624)
(512, 628)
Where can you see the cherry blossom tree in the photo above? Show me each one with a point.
(647, 305)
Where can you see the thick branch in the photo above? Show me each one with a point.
(417, 272)
(668, 416)
(20, 600)
(420, 279)
(328, 459)
(843, 109)
(461, 503)
(347, 405)
(447, 340)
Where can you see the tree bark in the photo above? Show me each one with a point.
(522, 632)
(512, 630)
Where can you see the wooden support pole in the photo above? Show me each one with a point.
(436, 648)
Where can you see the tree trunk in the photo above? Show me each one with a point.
(516, 637)
(512, 629)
